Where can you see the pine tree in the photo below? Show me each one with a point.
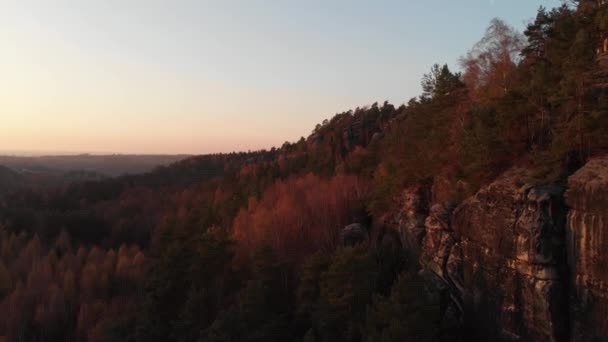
(408, 314)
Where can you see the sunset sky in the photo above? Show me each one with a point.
(217, 76)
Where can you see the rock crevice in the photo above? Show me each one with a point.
(517, 261)
(587, 198)
(500, 258)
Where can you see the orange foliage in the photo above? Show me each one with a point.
(300, 215)
(49, 291)
(490, 65)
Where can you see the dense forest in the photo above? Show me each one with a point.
(253, 246)
(18, 173)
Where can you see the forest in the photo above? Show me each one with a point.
(251, 246)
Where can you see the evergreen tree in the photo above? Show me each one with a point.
(408, 314)
(346, 290)
(263, 310)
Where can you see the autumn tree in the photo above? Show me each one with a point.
(300, 215)
(489, 65)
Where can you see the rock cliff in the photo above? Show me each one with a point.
(514, 266)
(587, 236)
(518, 261)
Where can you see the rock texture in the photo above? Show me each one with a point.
(587, 197)
(410, 220)
(513, 259)
(353, 234)
(498, 260)
(518, 261)
(442, 262)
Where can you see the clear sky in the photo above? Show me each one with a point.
(183, 76)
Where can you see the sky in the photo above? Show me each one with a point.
(186, 76)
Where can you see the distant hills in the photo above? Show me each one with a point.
(18, 172)
(107, 165)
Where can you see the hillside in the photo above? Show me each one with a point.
(44, 172)
(9, 180)
(473, 212)
(106, 165)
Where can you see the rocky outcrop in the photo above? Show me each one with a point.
(441, 262)
(587, 228)
(498, 260)
(353, 234)
(410, 220)
(513, 259)
(518, 261)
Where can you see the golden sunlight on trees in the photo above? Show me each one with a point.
(301, 215)
(490, 64)
(50, 293)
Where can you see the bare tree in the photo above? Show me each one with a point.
(489, 64)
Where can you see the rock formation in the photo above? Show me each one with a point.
(410, 220)
(517, 261)
(587, 236)
(353, 234)
(514, 275)
(441, 262)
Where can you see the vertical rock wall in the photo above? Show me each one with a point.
(587, 197)
(515, 279)
(518, 261)
(411, 218)
(499, 258)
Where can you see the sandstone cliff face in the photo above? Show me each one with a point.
(587, 197)
(515, 280)
(411, 218)
(442, 262)
(499, 258)
(517, 261)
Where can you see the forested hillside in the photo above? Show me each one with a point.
(44, 172)
(253, 246)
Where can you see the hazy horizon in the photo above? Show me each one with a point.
(47, 153)
(190, 77)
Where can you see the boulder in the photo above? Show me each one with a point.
(354, 234)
